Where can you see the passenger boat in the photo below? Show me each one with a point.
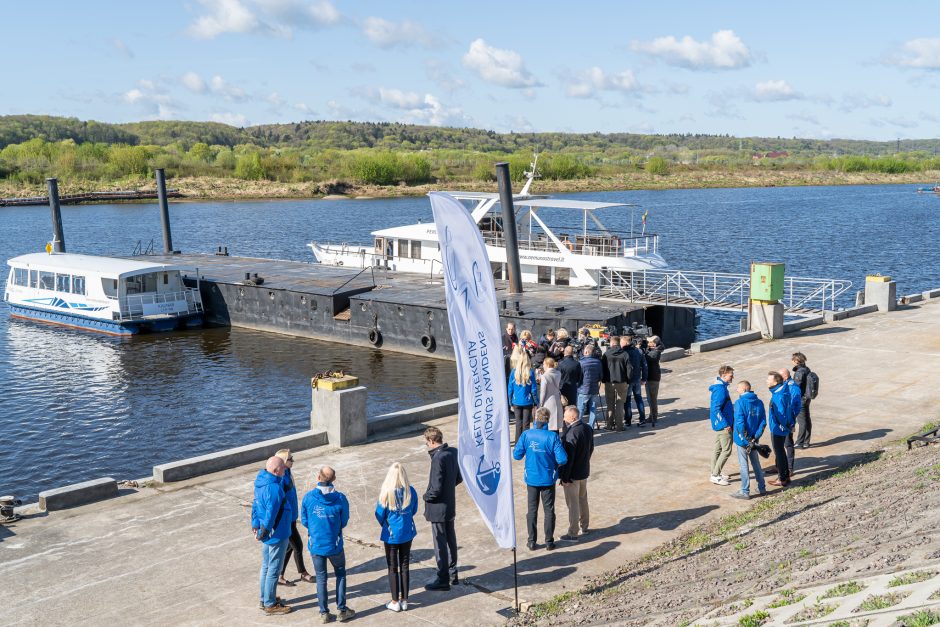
(573, 257)
(933, 189)
(107, 294)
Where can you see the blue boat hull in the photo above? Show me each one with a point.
(109, 327)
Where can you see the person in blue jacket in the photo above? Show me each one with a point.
(543, 453)
(780, 423)
(324, 513)
(395, 511)
(523, 390)
(721, 415)
(592, 371)
(270, 523)
(795, 406)
(295, 545)
(749, 423)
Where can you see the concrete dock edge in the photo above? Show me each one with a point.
(78, 494)
(671, 354)
(235, 457)
(412, 416)
(725, 341)
(931, 294)
(833, 316)
(803, 323)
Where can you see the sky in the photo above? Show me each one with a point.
(856, 70)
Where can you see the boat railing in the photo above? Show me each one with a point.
(593, 245)
(160, 304)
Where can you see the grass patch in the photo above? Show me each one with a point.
(786, 597)
(935, 596)
(754, 620)
(846, 623)
(552, 606)
(909, 578)
(923, 618)
(880, 602)
(813, 612)
(843, 590)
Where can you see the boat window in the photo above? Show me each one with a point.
(47, 280)
(63, 283)
(380, 245)
(34, 278)
(166, 278)
(416, 249)
(78, 285)
(562, 276)
(110, 287)
(21, 276)
(545, 274)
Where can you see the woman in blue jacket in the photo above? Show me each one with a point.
(523, 392)
(395, 511)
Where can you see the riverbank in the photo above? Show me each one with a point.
(212, 188)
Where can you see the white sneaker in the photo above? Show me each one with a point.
(404, 605)
(718, 480)
(726, 477)
(395, 606)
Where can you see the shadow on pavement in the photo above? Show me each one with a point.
(874, 434)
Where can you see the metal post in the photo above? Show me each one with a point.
(509, 228)
(58, 239)
(164, 212)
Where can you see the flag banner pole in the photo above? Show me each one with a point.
(483, 451)
(515, 578)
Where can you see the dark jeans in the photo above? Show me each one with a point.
(338, 561)
(445, 549)
(634, 389)
(523, 419)
(806, 425)
(791, 453)
(778, 442)
(295, 547)
(652, 395)
(547, 496)
(398, 558)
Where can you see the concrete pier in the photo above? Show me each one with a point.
(183, 554)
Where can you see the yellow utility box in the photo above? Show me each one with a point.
(877, 278)
(767, 282)
(334, 383)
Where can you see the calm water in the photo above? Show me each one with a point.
(76, 406)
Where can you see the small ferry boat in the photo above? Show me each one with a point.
(933, 189)
(107, 294)
(573, 257)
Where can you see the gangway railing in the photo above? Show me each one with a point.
(716, 290)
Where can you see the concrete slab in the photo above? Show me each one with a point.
(78, 494)
(725, 341)
(183, 554)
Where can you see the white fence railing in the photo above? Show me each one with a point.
(136, 306)
(716, 290)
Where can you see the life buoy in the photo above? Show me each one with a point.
(339, 263)
(427, 341)
(375, 337)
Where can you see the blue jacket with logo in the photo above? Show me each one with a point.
(520, 394)
(290, 491)
(269, 496)
(543, 455)
(721, 411)
(778, 410)
(749, 419)
(592, 371)
(796, 397)
(398, 523)
(324, 515)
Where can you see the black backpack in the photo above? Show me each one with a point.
(812, 381)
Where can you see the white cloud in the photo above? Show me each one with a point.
(134, 96)
(386, 34)
(587, 83)
(922, 53)
(442, 74)
(227, 90)
(193, 82)
(302, 107)
(400, 99)
(898, 122)
(232, 119)
(269, 17)
(723, 51)
(122, 47)
(500, 67)
(858, 100)
(804, 116)
(275, 99)
(152, 99)
(775, 91)
(417, 108)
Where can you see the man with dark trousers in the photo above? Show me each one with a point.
(780, 422)
(578, 440)
(804, 378)
(543, 454)
(440, 507)
(570, 369)
(637, 380)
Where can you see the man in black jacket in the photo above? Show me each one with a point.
(570, 369)
(578, 440)
(654, 350)
(615, 383)
(440, 507)
(801, 374)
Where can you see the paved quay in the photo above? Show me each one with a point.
(183, 554)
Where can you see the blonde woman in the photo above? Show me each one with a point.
(557, 349)
(550, 394)
(523, 392)
(525, 339)
(517, 352)
(395, 511)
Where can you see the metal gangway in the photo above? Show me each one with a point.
(715, 290)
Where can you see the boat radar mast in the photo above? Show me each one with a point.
(531, 175)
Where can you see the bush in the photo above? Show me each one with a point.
(657, 166)
(248, 167)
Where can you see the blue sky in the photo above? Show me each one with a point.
(861, 70)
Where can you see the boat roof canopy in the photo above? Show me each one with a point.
(113, 267)
(562, 203)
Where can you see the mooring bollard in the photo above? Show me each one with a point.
(339, 408)
(881, 291)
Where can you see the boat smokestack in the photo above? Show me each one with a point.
(164, 212)
(58, 239)
(509, 228)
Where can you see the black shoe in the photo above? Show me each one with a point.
(584, 532)
(437, 585)
(530, 545)
(549, 546)
(568, 538)
(454, 581)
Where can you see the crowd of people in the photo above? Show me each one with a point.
(742, 423)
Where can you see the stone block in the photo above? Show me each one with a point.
(803, 323)
(725, 341)
(931, 294)
(834, 316)
(671, 354)
(78, 494)
(412, 416)
(341, 413)
(767, 318)
(881, 292)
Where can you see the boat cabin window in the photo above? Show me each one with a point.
(141, 283)
(380, 245)
(562, 276)
(20, 276)
(34, 278)
(545, 274)
(47, 280)
(110, 287)
(166, 278)
(78, 285)
(415, 248)
(63, 283)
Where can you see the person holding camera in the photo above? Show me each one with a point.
(637, 379)
(653, 351)
(749, 423)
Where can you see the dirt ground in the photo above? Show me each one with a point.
(879, 516)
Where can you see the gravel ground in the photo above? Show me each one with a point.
(877, 517)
